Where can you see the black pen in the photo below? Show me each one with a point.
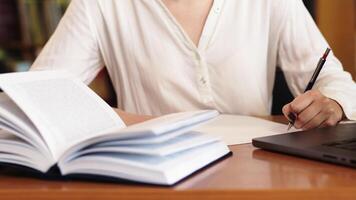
(292, 117)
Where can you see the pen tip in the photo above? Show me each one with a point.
(326, 52)
(289, 126)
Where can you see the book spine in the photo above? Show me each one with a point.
(37, 31)
(8, 22)
(24, 22)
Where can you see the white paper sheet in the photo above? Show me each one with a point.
(234, 129)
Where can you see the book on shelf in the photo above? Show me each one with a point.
(51, 119)
(32, 34)
(39, 19)
(9, 29)
(53, 11)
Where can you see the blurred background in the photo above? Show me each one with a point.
(26, 25)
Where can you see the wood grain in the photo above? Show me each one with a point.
(249, 174)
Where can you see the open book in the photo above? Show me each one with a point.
(52, 119)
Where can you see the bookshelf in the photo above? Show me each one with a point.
(25, 26)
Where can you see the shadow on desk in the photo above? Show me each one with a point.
(54, 175)
(316, 173)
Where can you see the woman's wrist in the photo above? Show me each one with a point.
(130, 118)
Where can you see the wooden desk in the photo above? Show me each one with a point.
(249, 174)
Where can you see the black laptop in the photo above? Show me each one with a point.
(333, 144)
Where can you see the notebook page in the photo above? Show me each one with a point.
(64, 110)
(235, 129)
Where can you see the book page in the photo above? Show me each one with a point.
(234, 129)
(18, 151)
(64, 110)
(181, 143)
(152, 131)
(168, 124)
(165, 170)
(12, 117)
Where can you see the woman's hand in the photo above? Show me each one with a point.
(130, 119)
(314, 110)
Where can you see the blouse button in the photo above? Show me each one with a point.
(197, 56)
(203, 81)
(217, 10)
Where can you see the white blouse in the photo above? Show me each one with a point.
(156, 69)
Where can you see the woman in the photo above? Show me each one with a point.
(167, 56)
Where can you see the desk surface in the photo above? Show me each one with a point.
(250, 174)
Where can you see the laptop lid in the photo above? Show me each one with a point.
(332, 144)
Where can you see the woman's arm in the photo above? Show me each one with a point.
(300, 47)
(73, 47)
(130, 119)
